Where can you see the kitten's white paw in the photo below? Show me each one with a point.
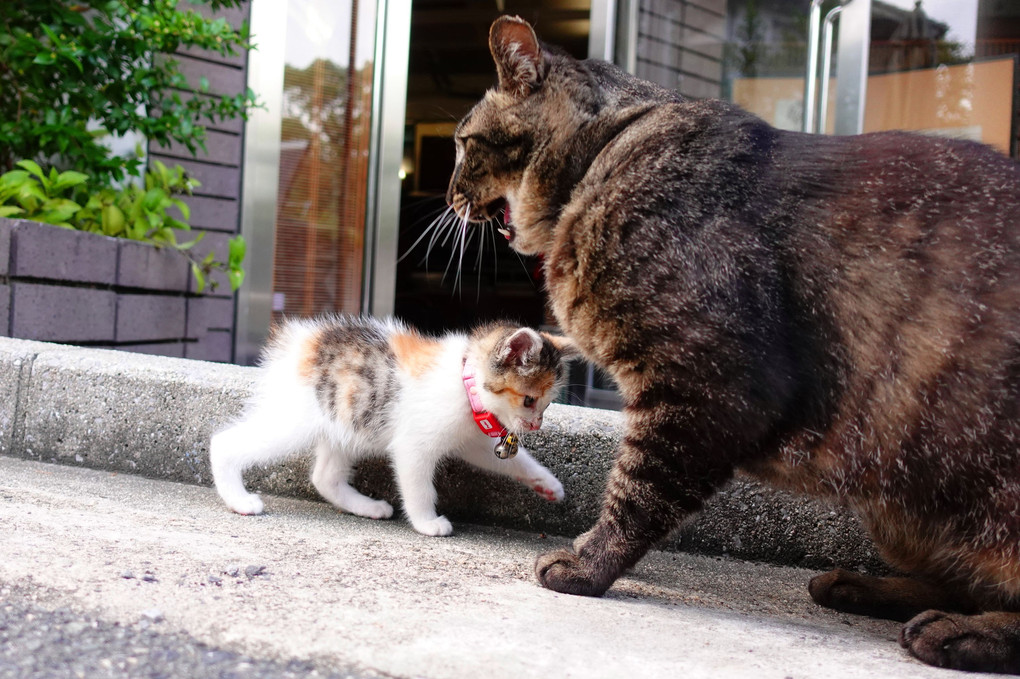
(437, 527)
(247, 504)
(374, 509)
(549, 488)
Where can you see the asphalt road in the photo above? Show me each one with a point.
(37, 640)
(106, 575)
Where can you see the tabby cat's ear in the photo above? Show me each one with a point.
(520, 348)
(518, 56)
(566, 346)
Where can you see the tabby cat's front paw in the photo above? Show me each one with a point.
(978, 643)
(562, 571)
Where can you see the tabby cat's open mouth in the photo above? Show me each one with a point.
(508, 228)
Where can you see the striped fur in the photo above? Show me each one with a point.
(838, 315)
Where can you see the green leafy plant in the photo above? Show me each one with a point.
(141, 213)
(39, 196)
(72, 73)
(233, 266)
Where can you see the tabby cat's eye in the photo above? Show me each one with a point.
(529, 401)
(497, 141)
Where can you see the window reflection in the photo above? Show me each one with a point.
(320, 224)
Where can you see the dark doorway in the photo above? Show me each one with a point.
(449, 70)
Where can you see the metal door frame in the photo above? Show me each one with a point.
(854, 21)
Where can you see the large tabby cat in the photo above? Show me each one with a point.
(837, 315)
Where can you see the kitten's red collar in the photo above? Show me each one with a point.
(485, 420)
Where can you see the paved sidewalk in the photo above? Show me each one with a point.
(304, 584)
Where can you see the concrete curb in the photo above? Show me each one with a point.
(153, 416)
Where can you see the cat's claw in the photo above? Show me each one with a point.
(437, 527)
(248, 505)
(562, 571)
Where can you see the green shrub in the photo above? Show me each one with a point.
(68, 67)
(141, 213)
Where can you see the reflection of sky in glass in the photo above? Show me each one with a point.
(959, 15)
(318, 29)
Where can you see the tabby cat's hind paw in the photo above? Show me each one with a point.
(860, 594)
(977, 643)
(562, 571)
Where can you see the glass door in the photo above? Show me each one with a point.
(307, 163)
(324, 139)
(751, 52)
(946, 67)
(447, 278)
(798, 64)
(935, 66)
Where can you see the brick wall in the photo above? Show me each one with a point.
(680, 44)
(216, 205)
(59, 285)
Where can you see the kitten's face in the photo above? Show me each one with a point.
(520, 371)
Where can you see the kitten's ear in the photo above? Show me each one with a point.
(521, 348)
(567, 347)
(518, 56)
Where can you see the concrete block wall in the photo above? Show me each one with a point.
(216, 204)
(680, 44)
(154, 416)
(60, 285)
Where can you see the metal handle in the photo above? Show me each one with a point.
(811, 80)
(855, 38)
(823, 104)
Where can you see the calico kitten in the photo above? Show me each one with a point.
(360, 387)
(837, 315)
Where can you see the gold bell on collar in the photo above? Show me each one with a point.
(507, 446)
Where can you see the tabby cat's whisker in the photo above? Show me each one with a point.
(453, 255)
(463, 234)
(431, 227)
(495, 253)
(453, 252)
(451, 229)
(481, 248)
(437, 230)
(445, 228)
(478, 264)
(525, 267)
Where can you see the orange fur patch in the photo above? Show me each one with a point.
(307, 357)
(415, 354)
(521, 388)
